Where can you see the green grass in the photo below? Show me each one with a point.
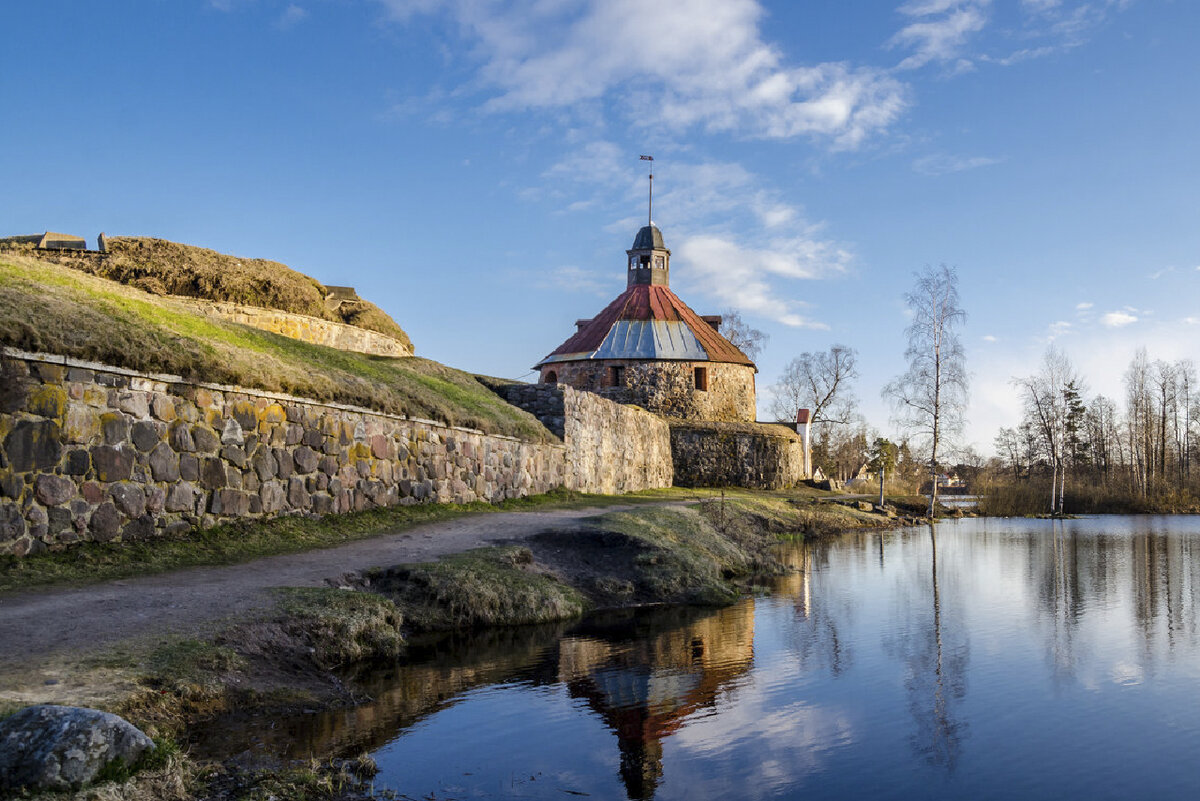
(481, 587)
(190, 666)
(341, 626)
(50, 308)
(250, 539)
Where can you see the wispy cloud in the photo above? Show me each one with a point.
(943, 164)
(713, 72)
(572, 278)
(1084, 306)
(990, 338)
(733, 240)
(939, 30)
(1157, 274)
(291, 16)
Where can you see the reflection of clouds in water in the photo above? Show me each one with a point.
(788, 742)
(1127, 674)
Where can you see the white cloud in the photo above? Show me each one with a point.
(711, 70)
(941, 164)
(990, 338)
(1157, 274)
(1084, 306)
(737, 275)
(571, 278)
(1191, 320)
(1118, 319)
(292, 15)
(942, 38)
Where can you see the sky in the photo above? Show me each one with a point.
(472, 166)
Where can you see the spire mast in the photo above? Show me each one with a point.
(650, 203)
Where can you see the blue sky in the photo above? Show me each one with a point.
(472, 166)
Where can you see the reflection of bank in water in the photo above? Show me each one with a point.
(642, 671)
(645, 687)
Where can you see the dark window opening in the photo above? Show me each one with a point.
(616, 376)
(551, 378)
(702, 379)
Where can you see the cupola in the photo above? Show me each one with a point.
(649, 259)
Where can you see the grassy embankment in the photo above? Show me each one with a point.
(161, 267)
(50, 308)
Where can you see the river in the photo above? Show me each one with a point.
(982, 659)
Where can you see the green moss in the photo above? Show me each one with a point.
(486, 586)
(186, 666)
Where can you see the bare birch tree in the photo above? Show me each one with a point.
(819, 382)
(931, 396)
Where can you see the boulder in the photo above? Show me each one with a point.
(64, 747)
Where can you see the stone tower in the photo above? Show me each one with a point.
(649, 348)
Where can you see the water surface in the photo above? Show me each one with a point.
(1028, 659)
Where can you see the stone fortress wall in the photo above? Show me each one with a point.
(755, 455)
(614, 448)
(94, 452)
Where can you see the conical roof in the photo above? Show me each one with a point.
(648, 322)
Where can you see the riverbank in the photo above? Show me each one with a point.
(287, 654)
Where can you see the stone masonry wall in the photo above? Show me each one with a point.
(667, 387)
(755, 455)
(303, 327)
(92, 452)
(611, 448)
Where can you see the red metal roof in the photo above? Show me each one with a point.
(657, 303)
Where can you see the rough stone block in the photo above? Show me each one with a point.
(116, 428)
(180, 437)
(60, 520)
(156, 498)
(182, 497)
(129, 498)
(79, 462)
(81, 424)
(33, 445)
(306, 460)
(164, 464)
(105, 523)
(205, 439)
(232, 433)
(140, 529)
(11, 486)
(54, 490)
(234, 454)
(12, 522)
(213, 474)
(111, 463)
(273, 496)
(145, 435)
(135, 404)
(297, 494)
(189, 467)
(163, 408)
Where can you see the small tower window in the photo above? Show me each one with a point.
(702, 379)
(660, 262)
(633, 262)
(616, 376)
(551, 378)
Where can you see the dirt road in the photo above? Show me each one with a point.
(37, 625)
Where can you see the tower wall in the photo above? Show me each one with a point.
(668, 388)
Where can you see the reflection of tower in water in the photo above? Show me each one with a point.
(644, 690)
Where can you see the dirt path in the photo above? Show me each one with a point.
(38, 625)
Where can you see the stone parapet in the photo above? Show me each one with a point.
(752, 455)
(93, 452)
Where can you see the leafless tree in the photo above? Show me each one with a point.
(1047, 408)
(931, 396)
(819, 382)
(749, 341)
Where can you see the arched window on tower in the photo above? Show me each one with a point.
(550, 378)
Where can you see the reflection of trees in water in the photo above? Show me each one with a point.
(815, 640)
(932, 646)
(1076, 572)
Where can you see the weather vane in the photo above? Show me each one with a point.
(650, 204)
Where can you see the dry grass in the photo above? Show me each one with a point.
(161, 267)
(50, 308)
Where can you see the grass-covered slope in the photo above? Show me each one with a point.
(162, 267)
(50, 308)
